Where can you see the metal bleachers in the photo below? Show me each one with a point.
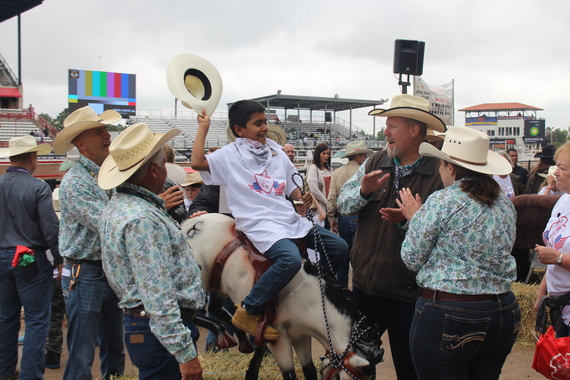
(189, 127)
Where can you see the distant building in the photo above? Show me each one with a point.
(509, 125)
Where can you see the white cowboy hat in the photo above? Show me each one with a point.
(24, 144)
(129, 151)
(468, 148)
(551, 171)
(191, 179)
(79, 121)
(411, 107)
(275, 133)
(194, 81)
(356, 147)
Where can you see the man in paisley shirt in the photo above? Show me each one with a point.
(91, 305)
(385, 290)
(149, 263)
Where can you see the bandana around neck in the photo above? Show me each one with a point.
(255, 155)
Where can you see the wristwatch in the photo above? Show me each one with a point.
(559, 259)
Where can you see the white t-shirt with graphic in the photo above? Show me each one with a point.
(257, 200)
(506, 185)
(556, 235)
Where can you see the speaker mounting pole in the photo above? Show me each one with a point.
(404, 84)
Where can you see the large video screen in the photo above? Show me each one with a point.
(534, 131)
(102, 91)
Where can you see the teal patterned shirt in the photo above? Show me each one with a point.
(81, 201)
(148, 262)
(460, 246)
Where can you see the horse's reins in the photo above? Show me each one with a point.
(337, 360)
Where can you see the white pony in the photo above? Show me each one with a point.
(299, 312)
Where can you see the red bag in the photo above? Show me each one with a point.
(552, 356)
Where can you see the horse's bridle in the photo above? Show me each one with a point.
(345, 365)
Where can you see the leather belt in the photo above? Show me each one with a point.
(443, 296)
(185, 314)
(97, 263)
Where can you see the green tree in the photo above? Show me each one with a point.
(46, 117)
(558, 137)
(58, 121)
(117, 127)
(380, 135)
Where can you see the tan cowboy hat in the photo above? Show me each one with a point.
(129, 151)
(55, 202)
(551, 171)
(468, 148)
(411, 107)
(432, 137)
(356, 147)
(79, 121)
(191, 179)
(275, 133)
(24, 144)
(194, 81)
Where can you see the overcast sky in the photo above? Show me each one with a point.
(495, 51)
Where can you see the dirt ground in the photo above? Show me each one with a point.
(517, 366)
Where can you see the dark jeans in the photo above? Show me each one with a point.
(463, 340)
(93, 318)
(565, 332)
(287, 262)
(148, 354)
(346, 230)
(396, 317)
(30, 287)
(55, 335)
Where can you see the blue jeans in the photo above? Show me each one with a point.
(396, 317)
(463, 340)
(287, 262)
(148, 354)
(93, 318)
(346, 230)
(30, 287)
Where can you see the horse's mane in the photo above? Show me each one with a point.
(339, 296)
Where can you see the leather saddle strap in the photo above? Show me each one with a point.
(216, 277)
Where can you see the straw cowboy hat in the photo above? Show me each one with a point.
(468, 148)
(24, 144)
(356, 147)
(55, 202)
(411, 107)
(275, 133)
(432, 137)
(191, 179)
(194, 81)
(129, 151)
(79, 121)
(551, 171)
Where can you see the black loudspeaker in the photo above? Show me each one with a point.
(409, 57)
(328, 117)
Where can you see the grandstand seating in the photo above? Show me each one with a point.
(19, 127)
(217, 134)
(11, 126)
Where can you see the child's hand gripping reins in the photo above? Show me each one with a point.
(318, 242)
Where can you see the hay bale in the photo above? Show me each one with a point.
(231, 365)
(526, 295)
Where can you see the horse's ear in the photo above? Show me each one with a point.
(357, 362)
